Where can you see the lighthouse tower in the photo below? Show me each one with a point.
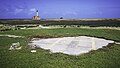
(36, 17)
(36, 12)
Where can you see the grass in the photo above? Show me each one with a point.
(62, 32)
(107, 57)
(90, 22)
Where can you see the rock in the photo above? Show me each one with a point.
(32, 46)
(33, 51)
(18, 48)
(117, 42)
(12, 48)
(15, 46)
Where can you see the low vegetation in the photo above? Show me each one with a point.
(8, 28)
(91, 22)
(107, 57)
(64, 32)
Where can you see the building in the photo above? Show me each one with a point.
(36, 17)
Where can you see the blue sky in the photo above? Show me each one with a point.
(60, 8)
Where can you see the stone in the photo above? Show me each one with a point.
(33, 51)
(15, 46)
(32, 46)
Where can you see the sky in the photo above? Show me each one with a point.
(60, 8)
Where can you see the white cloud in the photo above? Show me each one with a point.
(18, 11)
(31, 11)
(70, 13)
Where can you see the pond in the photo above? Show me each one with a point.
(71, 45)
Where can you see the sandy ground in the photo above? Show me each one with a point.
(13, 36)
(71, 45)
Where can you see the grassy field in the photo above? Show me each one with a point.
(78, 22)
(107, 57)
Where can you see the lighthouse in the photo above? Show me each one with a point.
(36, 12)
(36, 17)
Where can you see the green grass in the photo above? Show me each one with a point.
(108, 57)
(104, 22)
(62, 32)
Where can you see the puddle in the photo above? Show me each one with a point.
(71, 45)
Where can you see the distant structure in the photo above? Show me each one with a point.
(61, 17)
(36, 17)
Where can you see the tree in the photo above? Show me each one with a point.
(61, 17)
